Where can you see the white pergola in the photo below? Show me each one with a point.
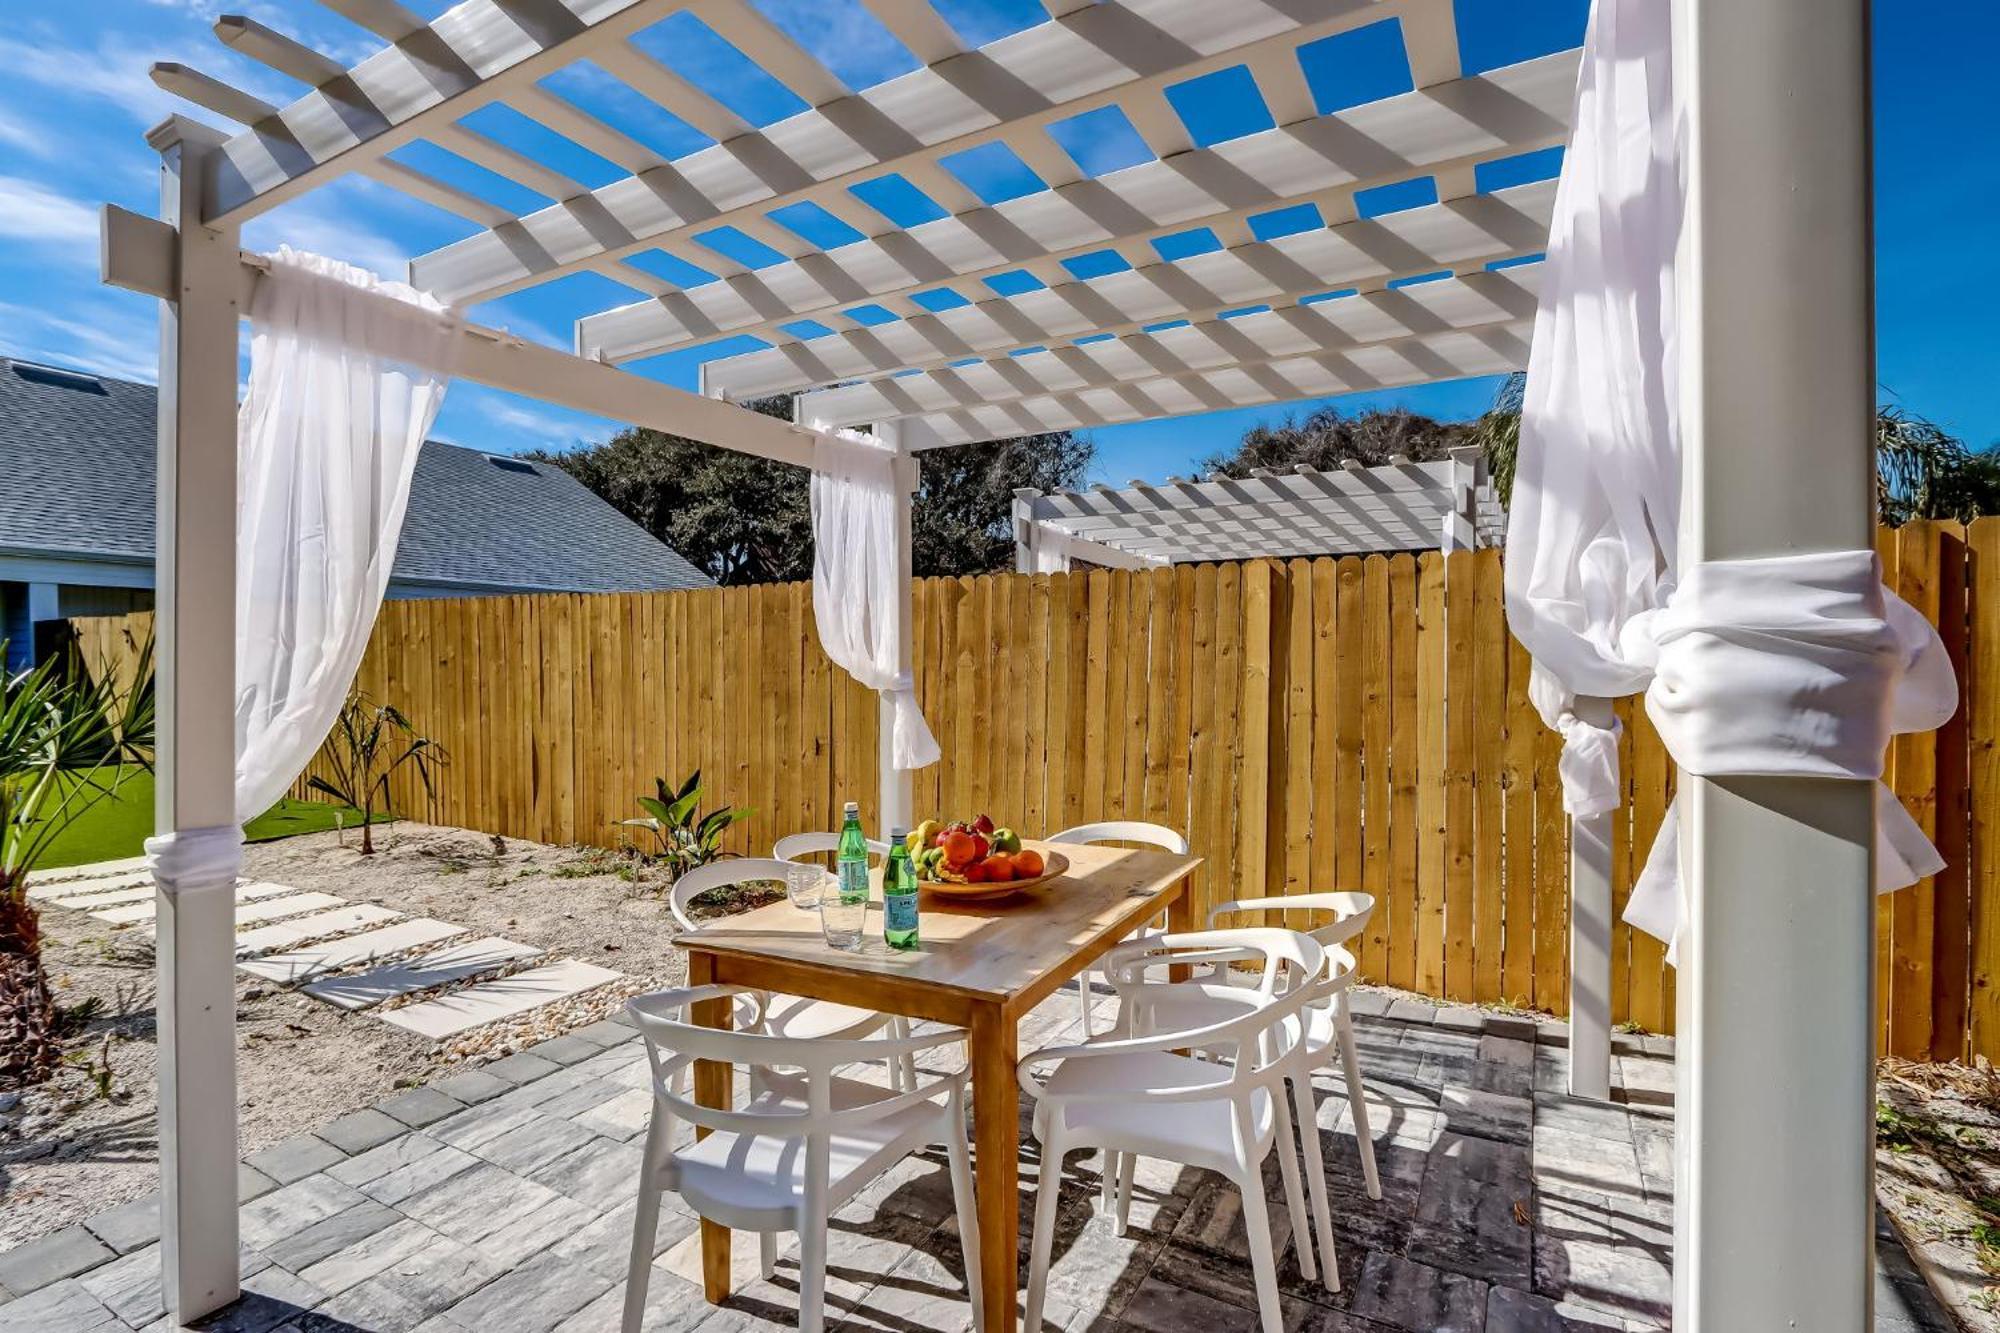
(1447, 505)
(1773, 1209)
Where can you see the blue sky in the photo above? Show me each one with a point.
(72, 117)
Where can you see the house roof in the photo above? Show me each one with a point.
(77, 454)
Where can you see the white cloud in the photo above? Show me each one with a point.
(110, 336)
(521, 426)
(34, 214)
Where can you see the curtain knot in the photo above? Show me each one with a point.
(199, 858)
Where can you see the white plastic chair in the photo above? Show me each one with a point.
(805, 1143)
(1146, 1006)
(794, 845)
(1137, 1097)
(1119, 830)
(787, 1015)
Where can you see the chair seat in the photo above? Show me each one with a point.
(1195, 1132)
(733, 1173)
(797, 1016)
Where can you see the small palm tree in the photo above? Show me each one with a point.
(369, 743)
(67, 741)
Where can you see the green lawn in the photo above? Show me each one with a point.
(118, 826)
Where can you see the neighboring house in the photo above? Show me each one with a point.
(77, 513)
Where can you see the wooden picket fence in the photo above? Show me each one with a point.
(1312, 724)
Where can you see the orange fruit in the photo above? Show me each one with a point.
(979, 872)
(959, 849)
(999, 867)
(1027, 864)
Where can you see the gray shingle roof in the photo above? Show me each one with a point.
(76, 456)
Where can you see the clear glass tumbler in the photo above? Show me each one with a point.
(845, 924)
(804, 885)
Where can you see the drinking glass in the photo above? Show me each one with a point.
(805, 884)
(843, 924)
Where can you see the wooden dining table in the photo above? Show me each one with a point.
(981, 966)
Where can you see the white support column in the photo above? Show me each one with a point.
(899, 799)
(1026, 531)
(196, 760)
(1774, 1195)
(1461, 521)
(1590, 940)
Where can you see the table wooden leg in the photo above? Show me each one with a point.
(996, 1134)
(1180, 920)
(713, 1086)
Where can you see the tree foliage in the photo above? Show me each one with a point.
(742, 520)
(1327, 437)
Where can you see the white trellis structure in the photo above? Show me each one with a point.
(1447, 505)
(1435, 292)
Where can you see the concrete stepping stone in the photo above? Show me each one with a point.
(39, 887)
(349, 950)
(147, 899)
(490, 1001)
(291, 903)
(93, 870)
(285, 934)
(452, 964)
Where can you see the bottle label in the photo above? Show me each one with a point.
(853, 880)
(899, 911)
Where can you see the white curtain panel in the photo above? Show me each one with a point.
(1784, 666)
(347, 372)
(858, 591)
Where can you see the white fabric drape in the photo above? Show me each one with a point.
(346, 375)
(858, 588)
(1790, 665)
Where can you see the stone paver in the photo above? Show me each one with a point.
(247, 913)
(140, 904)
(436, 969)
(490, 1001)
(284, 934)
(349, 950)
(501, 1199)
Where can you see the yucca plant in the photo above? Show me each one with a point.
(370, 741)
(67, 740)
(683, 836)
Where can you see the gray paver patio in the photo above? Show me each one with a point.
(500, 1201)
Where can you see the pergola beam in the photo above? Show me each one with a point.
(138, 256)
(1460, 235)
(1494, 349)
(1205, 348)
(476, 53)
(1503, 112)
(1112, 50)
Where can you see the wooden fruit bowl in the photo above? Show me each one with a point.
(1054, 863)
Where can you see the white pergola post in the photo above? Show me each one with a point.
(196, 746)
(1461, 519)
(1590, 939)
(1027, 532)
(899, 801)
(1774, 1197)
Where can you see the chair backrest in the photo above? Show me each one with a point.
(674, 1040)
(721, 874)
(794, 845)
(1124, 830)
(1292, 975)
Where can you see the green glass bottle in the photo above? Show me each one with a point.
(851, 858)
(899, 894)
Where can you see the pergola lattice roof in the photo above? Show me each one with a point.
(1400, 506)
(1357, 303)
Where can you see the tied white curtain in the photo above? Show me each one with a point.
(347, 372)
(858, 589)
(1791, 665)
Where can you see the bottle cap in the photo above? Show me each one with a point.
(852, 809)
(897, 833)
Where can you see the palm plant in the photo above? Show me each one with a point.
(1924, 471)
(369, 743)
(68, 739)
(683, 836)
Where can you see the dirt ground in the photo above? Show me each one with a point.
(1937, 1169)
(87, 1140)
